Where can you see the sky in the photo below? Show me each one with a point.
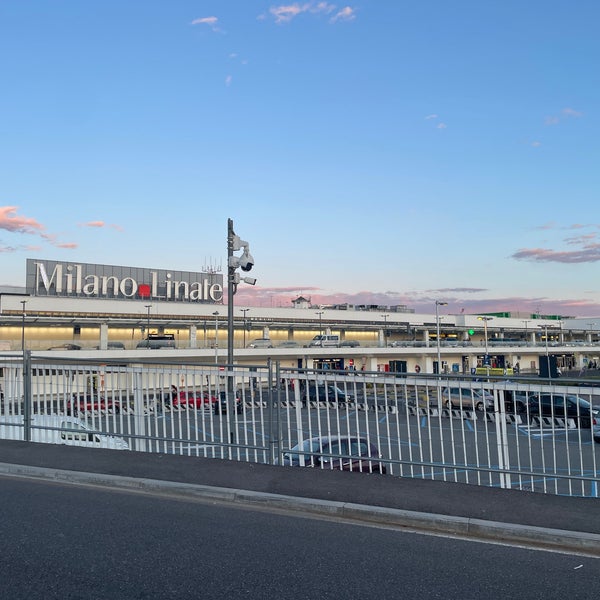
(388, 152)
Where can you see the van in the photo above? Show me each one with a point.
(324, 341)
(59, 429)
(156, 342)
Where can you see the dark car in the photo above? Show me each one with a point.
(516, 402)
(567, 406)
(324, 393)
(350, 344)
(342, 453)
(220, 406)
(65, 347)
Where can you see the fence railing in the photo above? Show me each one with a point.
(523, 434)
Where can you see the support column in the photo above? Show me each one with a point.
(103, 336)
(193, 341)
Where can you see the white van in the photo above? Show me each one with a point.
(324, 341)
(59, 429)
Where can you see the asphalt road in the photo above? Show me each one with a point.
(77, 542)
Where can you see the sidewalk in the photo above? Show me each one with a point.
(535, 519)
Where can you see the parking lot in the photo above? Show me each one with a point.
(420, 427)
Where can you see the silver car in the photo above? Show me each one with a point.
(468, 398)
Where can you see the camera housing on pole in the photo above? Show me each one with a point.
(245, 262)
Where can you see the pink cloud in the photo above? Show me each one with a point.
(584, 255)
(10, 222)
(94, 224)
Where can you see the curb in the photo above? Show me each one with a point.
(474, 529)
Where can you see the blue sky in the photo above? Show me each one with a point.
(379, 151)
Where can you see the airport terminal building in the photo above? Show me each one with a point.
(107, 308)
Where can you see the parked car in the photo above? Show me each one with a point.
(289, 344)
(191, 400)
(324, 393)
(156, 342)
(325, 341)
(220, 405)
(567, 406)
(59, 429)
(349, 344)
(343, 453)
(65, 347)
(468, 398)
(260, 343)
(81, 403)
(516, 402)
(112, 346)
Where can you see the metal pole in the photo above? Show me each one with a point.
(23, 303)
(438, 303)
(148, 307)
(244, 310)
(231, 289)
(320, 313)
(216, 315)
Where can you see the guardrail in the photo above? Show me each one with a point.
(494, 432)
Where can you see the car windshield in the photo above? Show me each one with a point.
(309, 446)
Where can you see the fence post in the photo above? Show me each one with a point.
(27, 395)
(139, 420)
(272, 398)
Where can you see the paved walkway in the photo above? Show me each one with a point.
(535, 519)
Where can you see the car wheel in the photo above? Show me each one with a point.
(479, 407)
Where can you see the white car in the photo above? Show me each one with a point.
(59, 429)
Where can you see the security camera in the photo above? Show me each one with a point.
(238, 243)
(249, 280)
(246, 261)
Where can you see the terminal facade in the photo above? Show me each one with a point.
(97, 308)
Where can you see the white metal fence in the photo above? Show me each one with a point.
(522, 434)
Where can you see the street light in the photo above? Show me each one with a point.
(438, 303)
(320, 313)
(23, 303)
(526, 334)
(485, 322)
(244, 310)
(385, 318)
(148, 307)
(216, 316)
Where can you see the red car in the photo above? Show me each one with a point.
(193, 401)
(82, 403)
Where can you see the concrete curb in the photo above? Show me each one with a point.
(475, 529)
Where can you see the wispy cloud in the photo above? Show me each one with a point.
(586, 254)
(100, 225)
(228, 80)
(435, 117)
(287, 12)
(565, 113)
(209, 21)
(587, 248)
(346, 14)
